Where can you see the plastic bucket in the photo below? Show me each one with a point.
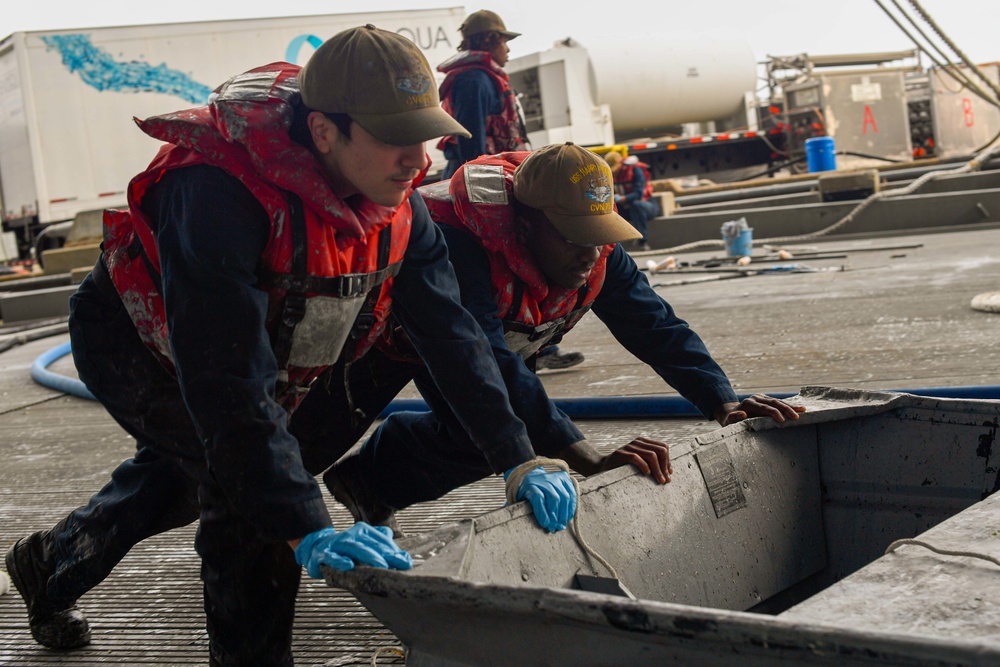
(739, 246)
(820, 154)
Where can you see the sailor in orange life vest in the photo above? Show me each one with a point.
(256, 262)
(534, 241)
(633, 191)
(477, 92)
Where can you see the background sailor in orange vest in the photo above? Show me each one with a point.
(633, 192)
(476, 91)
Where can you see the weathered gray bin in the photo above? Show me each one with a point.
(767, 548)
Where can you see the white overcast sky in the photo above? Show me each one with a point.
(771, 27)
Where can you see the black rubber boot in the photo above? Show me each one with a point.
(57, 626)
(558, 360)
(345, 483)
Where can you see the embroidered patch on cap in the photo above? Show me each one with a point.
(599, 189)
(415, 84)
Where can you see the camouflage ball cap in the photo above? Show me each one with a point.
(382, 81)
(574, 188)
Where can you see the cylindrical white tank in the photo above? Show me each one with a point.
(653, 81)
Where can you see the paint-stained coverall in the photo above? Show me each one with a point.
(249, 571)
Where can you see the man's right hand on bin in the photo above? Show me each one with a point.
(361, 544)
(552, 497)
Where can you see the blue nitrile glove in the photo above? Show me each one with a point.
(361, 543)
(552, 497)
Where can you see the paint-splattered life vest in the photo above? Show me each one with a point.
(327, 267)
(479, 200)
(504, 131)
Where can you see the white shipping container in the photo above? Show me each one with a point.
(67, 97)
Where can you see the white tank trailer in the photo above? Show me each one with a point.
(626, 87)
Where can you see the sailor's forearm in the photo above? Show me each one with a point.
(582, 457)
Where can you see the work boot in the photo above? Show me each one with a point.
(558, 360)
(60, 626)
(346, 484)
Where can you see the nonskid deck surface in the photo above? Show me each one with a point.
(896, 319)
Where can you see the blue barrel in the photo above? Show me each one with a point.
(820, 154)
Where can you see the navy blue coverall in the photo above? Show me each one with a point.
(436, 455)
(474, 97)
(212, 444)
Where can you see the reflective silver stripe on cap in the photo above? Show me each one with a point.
(484, 184)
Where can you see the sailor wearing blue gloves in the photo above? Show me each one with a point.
(360, 544)
(552, 495)
(534, 240)
(292, 190)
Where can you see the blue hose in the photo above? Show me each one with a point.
(46, 378)
(592, 407)
(619, 407)
(598, 407)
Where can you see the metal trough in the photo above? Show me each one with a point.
(767, 548)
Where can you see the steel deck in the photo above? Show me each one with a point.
(896, 319)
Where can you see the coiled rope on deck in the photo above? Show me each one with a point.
(517, 476)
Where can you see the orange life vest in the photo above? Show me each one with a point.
(479, 200)
(504, 131)
(623, 179)
(327, 267)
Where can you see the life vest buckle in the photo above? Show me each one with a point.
(294, 310)
(362, 325)
(353, 285)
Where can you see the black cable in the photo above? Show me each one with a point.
(806, 157)
(954, 47)
(767, 142)
(770, 171)
(960, 76)
(987, 144)
(871, 157)
(971, 85)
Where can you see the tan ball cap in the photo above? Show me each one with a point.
(614, 160)
(382, 81)
(575, 189)
(485, 21)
